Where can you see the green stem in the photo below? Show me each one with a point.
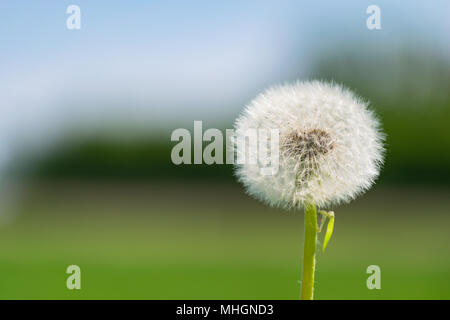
(309, 251)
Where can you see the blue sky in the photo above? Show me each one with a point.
(34, 31)
(155, 62)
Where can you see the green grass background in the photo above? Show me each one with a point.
(200, 241)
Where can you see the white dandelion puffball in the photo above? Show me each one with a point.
(330, 145)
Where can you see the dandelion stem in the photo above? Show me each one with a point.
(309, 251)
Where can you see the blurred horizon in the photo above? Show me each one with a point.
(143, 70)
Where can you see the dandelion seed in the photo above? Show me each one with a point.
(331, 145)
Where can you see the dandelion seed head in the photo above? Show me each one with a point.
(330, 144)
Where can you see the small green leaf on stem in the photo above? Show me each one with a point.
(329, 231)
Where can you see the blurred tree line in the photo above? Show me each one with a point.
(410, 93)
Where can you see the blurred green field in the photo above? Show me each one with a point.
(185, 241)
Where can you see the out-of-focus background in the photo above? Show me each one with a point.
(85, 171)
